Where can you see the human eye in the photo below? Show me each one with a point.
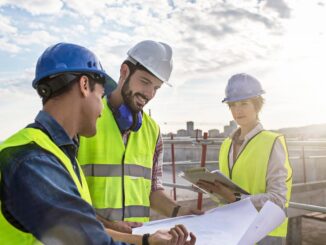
(145, 82)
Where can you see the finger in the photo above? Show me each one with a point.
(184, 231)
(126, 229)
(174, 235)
(206, 182)
(217, 183)
(197, 211)
(192, 239)
(135, 224)
(204, 185)
(180, 235)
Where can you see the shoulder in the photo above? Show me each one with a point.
(270, 134)
(19, 153)
(29, 156)
(149, 121)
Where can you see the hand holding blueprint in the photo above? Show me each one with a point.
(193, 175)
(236, 223)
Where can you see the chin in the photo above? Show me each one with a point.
(89, 133)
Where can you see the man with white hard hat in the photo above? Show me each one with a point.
(126, 154)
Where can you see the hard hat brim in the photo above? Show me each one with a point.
(226, 100)
(109, 81)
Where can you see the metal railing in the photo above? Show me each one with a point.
(204, 142)
(303, 206)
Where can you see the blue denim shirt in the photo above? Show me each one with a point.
(39, 196)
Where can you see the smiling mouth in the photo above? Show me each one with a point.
(141, 100)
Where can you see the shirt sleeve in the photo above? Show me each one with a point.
(157, 170)
(41, 196)
(275, 180)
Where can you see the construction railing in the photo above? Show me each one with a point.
(300, 151)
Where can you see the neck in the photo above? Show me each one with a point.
(245, 129)
(115, 98)
(65, 113)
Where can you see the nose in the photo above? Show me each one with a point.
(149, 92)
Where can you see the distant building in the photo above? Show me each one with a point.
(213, 133)
(190, 127)
(228, 129)
(233, 124)
(182, 133)
(196, 133)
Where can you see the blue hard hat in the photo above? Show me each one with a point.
(242, 86)
(68, 57)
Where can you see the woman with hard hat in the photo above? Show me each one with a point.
(254, 158)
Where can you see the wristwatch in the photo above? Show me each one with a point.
(145, 239)
(237, 196)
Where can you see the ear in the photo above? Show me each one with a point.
(84, 86)
(124, 73)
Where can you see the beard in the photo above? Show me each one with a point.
(128, 97)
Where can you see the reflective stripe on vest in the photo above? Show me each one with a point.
(119, 177)
(8, 233)
(130, 212)
(101, 170)
(250, 168)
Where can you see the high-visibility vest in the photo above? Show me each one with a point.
(119, 176)
(250, 168)
(10, 234)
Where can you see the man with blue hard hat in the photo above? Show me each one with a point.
(126, 153)
(44, 196)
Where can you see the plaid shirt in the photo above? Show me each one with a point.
(157, 170)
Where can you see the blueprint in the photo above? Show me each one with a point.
(236, 223)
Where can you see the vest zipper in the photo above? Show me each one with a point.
(123, 186)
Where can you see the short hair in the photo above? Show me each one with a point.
(257, 101)
(134, 67)
(68, 87)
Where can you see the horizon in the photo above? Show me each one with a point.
(280, 42)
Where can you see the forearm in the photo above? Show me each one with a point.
(260, 199)
(124, 237)
(161, 203)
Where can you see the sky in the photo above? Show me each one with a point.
(280, 42)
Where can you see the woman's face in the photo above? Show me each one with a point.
(244, 112)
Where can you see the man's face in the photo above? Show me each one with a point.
(139, 88)
(92, 110)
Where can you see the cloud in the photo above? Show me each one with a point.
(35, 7)
(17, 82)
(7, 47)
(41, 37)
(280, 7)
(6, 26)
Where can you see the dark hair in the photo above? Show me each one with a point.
(92, 78)
(135, 67)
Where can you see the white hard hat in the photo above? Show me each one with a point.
(156, 57)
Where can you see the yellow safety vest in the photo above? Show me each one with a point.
(10, 234)
(119, 176)
(250, 168)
